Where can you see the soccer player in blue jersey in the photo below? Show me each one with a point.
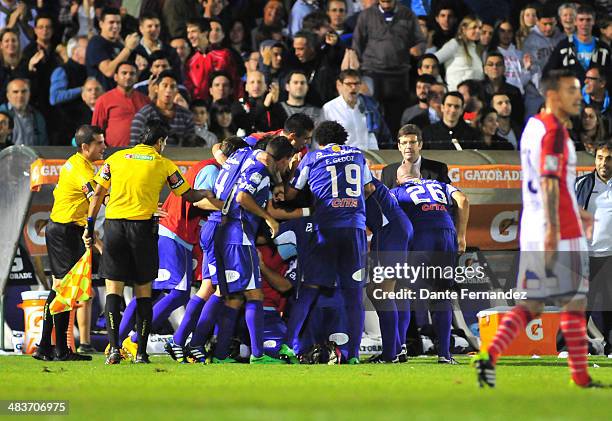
(340, 181)
(236, 257)
(391, 237)
(437, 239)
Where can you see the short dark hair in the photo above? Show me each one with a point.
(203, 24)
(231, 144)
(164, 74)
(147, 15)
(125, 63)
(410, 129)
(550, 81)
(426, 79)
(109, 11)
(604, 21)
(605, 144)
(329, 1)
(295, 72)
(426, 56)
(84, 135)
(158, 55)
(330, 132)
(494, 54)
(298, 124)
(585, 9)
(601, 71)
(198, 103)
(315, 20)
(154, 130)
(216, 74)
(545, 12)
(348, 73)
(310, 37)
(456, 94)
(279, 148)
(485, 111)
(10, 119)
(44, 15)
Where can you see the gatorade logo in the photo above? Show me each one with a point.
(504, 226)
(534, 330)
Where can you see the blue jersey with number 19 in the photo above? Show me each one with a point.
(427, 203)
(336, 175)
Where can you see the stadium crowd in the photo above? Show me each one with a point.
(232, 67)
(446, 74)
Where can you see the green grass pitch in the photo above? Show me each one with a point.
(419, 390)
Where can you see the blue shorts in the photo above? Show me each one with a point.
(391, 243)
(175, 265)
(435, 247)
(207, 234)
(338, 259)
(275, 331)
(237, 268)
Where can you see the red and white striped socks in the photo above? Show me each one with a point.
(573, 326)
(512, 323)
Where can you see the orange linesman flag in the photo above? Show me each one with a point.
(76, 286)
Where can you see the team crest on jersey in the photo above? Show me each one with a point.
(336, 148)
(551, 163)
(175, 180)
(87, 190)
(255, 178)
(106, 172)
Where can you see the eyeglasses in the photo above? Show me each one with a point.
(596, 79)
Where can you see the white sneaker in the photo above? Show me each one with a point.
(563, 354)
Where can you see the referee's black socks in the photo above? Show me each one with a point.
(113, 318)
(47, 327)
(144, 316)
(61, 321)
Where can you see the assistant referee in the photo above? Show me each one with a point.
(137, 176)
(63, 234)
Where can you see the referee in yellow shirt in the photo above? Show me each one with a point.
(135, 177)
(63, 234)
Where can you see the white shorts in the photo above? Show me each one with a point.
(569, 277)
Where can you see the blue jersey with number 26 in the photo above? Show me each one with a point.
(336, 175)
(427, 203)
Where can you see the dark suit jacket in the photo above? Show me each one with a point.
(431, 170)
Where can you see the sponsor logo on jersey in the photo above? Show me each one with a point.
(175, 180)
(255, 178)
(551, 163)
(336, 148)
(106, 172)
(139, 157)
(87, 190)
(345, 203)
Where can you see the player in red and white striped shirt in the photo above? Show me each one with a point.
(554, 251)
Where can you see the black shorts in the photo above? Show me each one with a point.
(130, 251)
(64, 246)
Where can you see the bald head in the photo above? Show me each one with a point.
(406, 171)
(255, 84)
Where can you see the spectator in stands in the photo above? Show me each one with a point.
(220, 87)
(105, 51)
(183, 51)
(42, 60)
(179, 119)
(158, 62)
(451, 132)
(508, 129)
(567, 18)
(444, 24)
(527, 21)
(434, 102)
(423, 83)
(300, 9)
(199, 109)
(272, 21)
(486, 36)
(488, 125)
(297, 90)
(115, 109)
(429, 64)
(473, 97)
(19, 16)
(410, 144)
(81, 19)
(238, 37)
(518, 67)
(353, 16)
(337, 12)
(204, 61)
(581, 51)
(384, 39)
(358, 114)
(150, 29)
(321, 64)
(221, 120)
(272, 61)
(540, 43)
(605, 30)
(29, 126)
(459, 55)
(11, 65)
(176, 13)
(218, 41)
(592, 129)
(254, 114)
(495, 81)
(77, 112)
(6, 130)
(594, 92)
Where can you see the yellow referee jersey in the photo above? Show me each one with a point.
(73, 190)
(136, 177)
